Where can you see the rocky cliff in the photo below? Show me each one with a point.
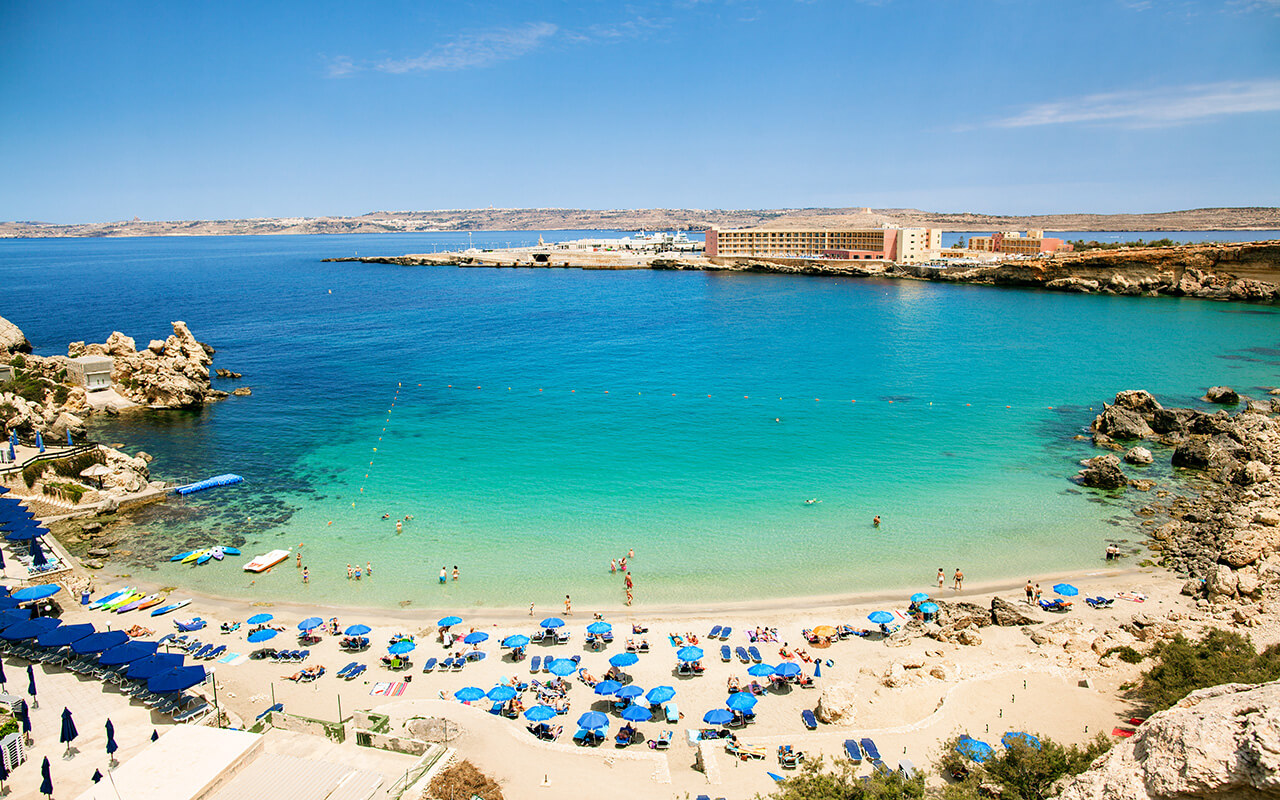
(1222, 742)
(11, 339)
(169, 373)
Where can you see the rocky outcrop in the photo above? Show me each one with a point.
(1222, 742)
(837, 703)
(169, 374)
(1007, 614)
(1140, 456)
(1224, 395)
(1103, 472)
(12, 339)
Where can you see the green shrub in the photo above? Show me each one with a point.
(1126, 653)
(67, 491)
(72, 466)
(1022, 772)
(32, 472)
(8, 725)
(815, 782)
(1183, 666)
(17, 362)
(60, 393)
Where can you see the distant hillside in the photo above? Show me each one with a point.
(543, 219)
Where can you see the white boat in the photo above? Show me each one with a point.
(265, 562)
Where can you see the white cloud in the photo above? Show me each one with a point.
(1156, 108)
(474, 50)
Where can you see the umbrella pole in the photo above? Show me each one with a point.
(216, 710)
(273, 693)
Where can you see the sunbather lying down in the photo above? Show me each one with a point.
(308, 673)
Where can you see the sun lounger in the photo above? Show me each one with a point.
(789, 758)
(725, 653)
(745, 752)
(357, 672)
(724, 633)
(535, 664)
(301, 655)
(539, 635)
(662, 742)
(562, 636)
(741, 653)
(715, 633)
(644, 646)
(853, 751)
(906, 769)
(276, 707)
(192, 712)
(458, 663)
(754, 652)
(672, 713)
(809, 720)
(430, 665)
(217, 652)
(342, 673)
(1055, 606)
(871, 751)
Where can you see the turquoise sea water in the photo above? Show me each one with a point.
(537, 423)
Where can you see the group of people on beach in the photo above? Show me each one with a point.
(617, 565)
(356, 574)
(957, 580)
(444, 574)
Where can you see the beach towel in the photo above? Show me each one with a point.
(388, 689)
(233, 659)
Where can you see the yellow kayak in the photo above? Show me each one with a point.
(192, 556)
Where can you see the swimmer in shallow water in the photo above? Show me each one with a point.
(386, 516)
(876, 521)
(812, 501)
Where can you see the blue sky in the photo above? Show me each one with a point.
(218, 110)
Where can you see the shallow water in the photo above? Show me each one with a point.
(536, 423)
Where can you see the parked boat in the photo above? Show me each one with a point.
(266, 561)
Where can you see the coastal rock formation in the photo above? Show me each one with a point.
(1139, 456)
(1119, 422)
(1007, 614)
(837, 703)
(1222, 394)
(1103, 472)
(169, 374)
(12, 339)
(1222, 742)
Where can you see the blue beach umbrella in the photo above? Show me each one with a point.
(623, 659)
(260, 619)
(629, 692)
(112, 747)
(13, 616)
(635, 713)
(880, 617)
(469, 694)
(1013, 737)
(540, 713)
(598, 628)
(177, 679)
(69, 732)
(660, 694)
(98, 642)
(929, 608)
(310, 623)
(401, 647)
(501, 694)
(561, 667)
(516, 640)
(919, 597)
(1066, 589)
(817, 669)
(29, 629)
(593, 721)
(741, 701)
(448, 622)
(151, 666)
(357, 630)
(787, 669)
(263, 635)
(27, 533)
(974, 750)
(607, 687)
(64, 635)
(776, 777)
(689, 653)
(127, 653)
(475, 637)
(36, 592)
(551, 623)
(760, 670)
(717, 716)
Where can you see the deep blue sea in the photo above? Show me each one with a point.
(537, 423)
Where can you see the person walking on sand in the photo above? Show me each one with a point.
(942, 578)
(1037, 594)
(958, 578)
(531, 609)
(1031, 592)
(568, 606)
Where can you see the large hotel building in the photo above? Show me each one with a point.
(1014, 243)
(901, 245)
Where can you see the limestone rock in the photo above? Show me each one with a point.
(12, 340)
(940, 672)
(961, 614)
(1138, 455)
(836, 703)
(1222, 582)
(1224, 395)
(1103, 472)
(1121, 423)
(1247, 583)
(969, 636)
(1217, 743)
(1138, 400)
(1269, 517)
(1249, 473)
(1004, 613)
(243, 391)
(1245, 547)
(119, 345)
(156, 346)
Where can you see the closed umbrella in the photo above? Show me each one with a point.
(155, 735)
(540, 713)
(475, 637)
(97, 775)
(401, 647)
(760, 670)
(689, 653)
(112, 747)
(448, 622)
(516, 640)
(262, 635)
(177, 679)
(260, 619)
(562, 667)
(624, 659)
(660, 694)
(717, 716)
(40, 448)
(607, 687)
(552, 622)
(629, 692)
(817, 669)
(38, 558)
(593, 721)
(635, 713)
(69, 732)
(46, 780)
(501, 694)
(2, 681)
(357, 630)
(880, 617)
(741, 701)
(1066, 589)
(599, 628)
(31, 687)
(469, 694)
(69, 442)
(310, 623)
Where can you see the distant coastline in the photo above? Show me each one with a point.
(545, 219)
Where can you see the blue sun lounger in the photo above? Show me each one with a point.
(854, 753)
(741, 652)
(725, 654)
(724, 633)
(535, 664)
(672, 712)
(872, 753)
(357, 672)
(342, 673)
(715, 633)
(754, 652)
(809, 720)
(430, 665)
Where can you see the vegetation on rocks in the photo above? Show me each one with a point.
(816, 781)
(1020, 772)
(1219, 657)
(1081, 244)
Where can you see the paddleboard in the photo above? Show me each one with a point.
(170, 607)
(204, 558)
(153, 600)
(192, 556)
(266, 561)
(217, 552)
(181, 556)
(131, 605)
(230, 551)
(101, 601)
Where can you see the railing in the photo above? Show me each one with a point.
(83, 447)
(414, 773)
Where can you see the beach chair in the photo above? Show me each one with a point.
(192, 712)
(741, 653)
(787, 757)
(562, 636)
(715, 633)
(853, 751)
(809, 720)
(535, 664)
(429, 666)
(301, 655)
(725, 654)
(662, 742)
(672, 713)
(538, 636)
(754, 652)
(217, 652)
(871, 752)
(724, 632)
(906, 769)
(458, 664)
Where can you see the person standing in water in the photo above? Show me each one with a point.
(942, 577)
(455, 572)
(875, 523)
(444, 574)
(568, 606)
(959, 579)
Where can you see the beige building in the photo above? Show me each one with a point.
(1033, 243)
(91, 372)
(900, 245)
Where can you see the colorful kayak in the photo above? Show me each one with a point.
(181, 556)
(266, 561)
(206, 555)
(115, 604)
(133, 604)
(153, 600)
(170, 607)
(193, 555)
(230, 551)
(101, 601)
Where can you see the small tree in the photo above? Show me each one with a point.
(1022, 770)
(1183, 666)
(815, 781)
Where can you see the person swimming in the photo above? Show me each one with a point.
(812, 501)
